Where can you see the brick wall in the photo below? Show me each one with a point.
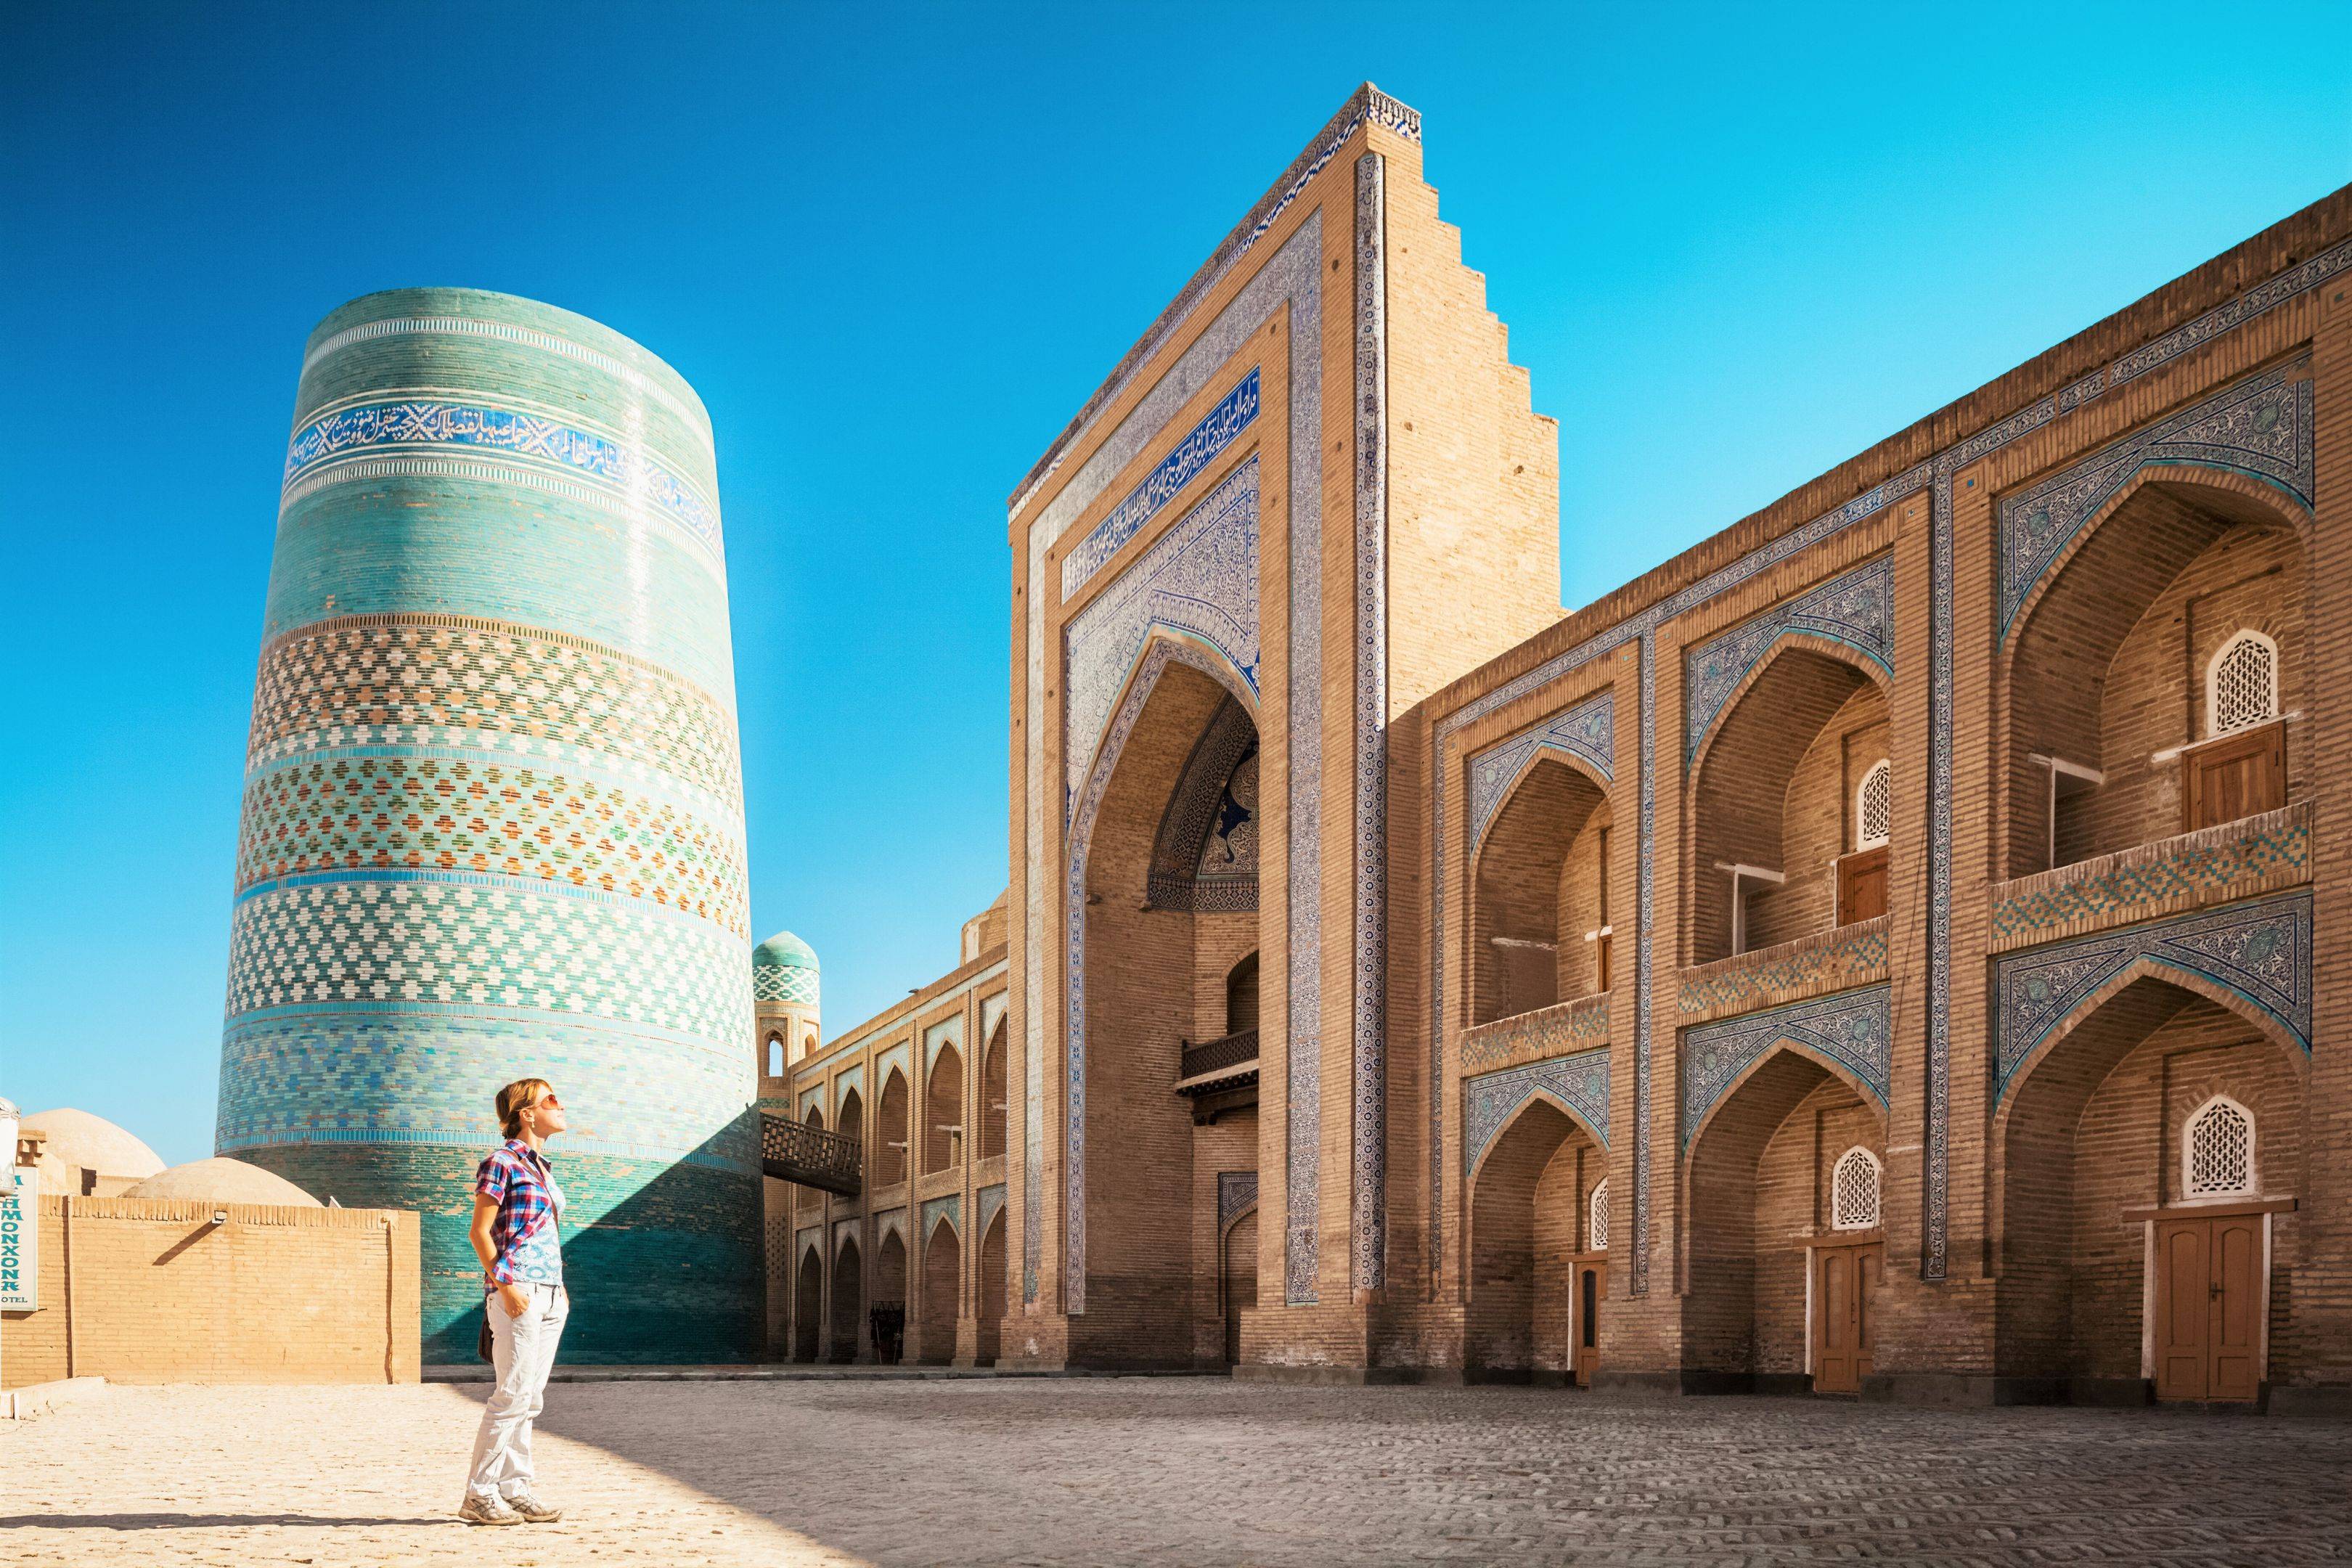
(150, 1290)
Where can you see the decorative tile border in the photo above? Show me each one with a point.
(1184, 462)
(898, 1058)
(1580, 1083)
(425, 422)
(1586, 734)
(991, 1203)
(1557, 1030)
(695, 417)
(1834, 960)
(2255, 854)
(1856, 609)
(1854, 1029)
(1198, 580)
(952, 1206)
(2259, 951)
(1236, 1196)
(1367, 1199)
(2260, 427)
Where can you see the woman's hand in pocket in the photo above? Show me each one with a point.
(515, 1299)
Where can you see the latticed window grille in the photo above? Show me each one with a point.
(1596, 1221)
(1854, 1191)
(2217, 1150)
(2241, 684)
(1874, 807)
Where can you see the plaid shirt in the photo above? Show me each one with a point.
(523, 1183)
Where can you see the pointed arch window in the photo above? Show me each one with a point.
(1854, 1191)
(1596, 1218)
(2217, 1150)
(1874, 807)
(775, 1056)
(2241, 684)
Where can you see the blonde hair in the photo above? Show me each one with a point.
(517, 1097)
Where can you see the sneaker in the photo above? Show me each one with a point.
(533, 1511)
(493, 1510)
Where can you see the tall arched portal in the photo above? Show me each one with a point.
(1171, 912)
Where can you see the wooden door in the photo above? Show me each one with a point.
(2209, 1307)
(1861, 885)
(2234, 1305)
(2240, 776)
(1592, 1290)
(1844, 1278)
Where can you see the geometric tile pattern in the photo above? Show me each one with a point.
(460, 938)
(1198, 580)
(2259, 951)
(2260, 427)
(1856, 609)
(1586, 732)
(784, 983)
(1548, 1031)
(446, 680)
(487, 813)
(991, 1203)
(1214, 433)
(422, 423)
(1236, 1195)
(419, 1075)
(2252, 847)
(1854, 1029)
(1489, 1102)
(950, 1208)
(1849, 953)
(1368, 1203)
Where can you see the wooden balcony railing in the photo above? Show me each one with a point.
(1214, 1063)
(794, 1152)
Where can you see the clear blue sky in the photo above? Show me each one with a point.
(895, 249)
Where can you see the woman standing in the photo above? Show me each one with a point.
(517, 1207)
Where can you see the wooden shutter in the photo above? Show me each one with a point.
(1861, 885)
(2237, 775)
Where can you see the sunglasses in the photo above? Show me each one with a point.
(547, 1099)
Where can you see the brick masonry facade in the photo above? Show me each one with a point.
(156, 1290)
(1541, 901)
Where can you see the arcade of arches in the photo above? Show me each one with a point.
(1886, 951)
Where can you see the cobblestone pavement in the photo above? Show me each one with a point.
(1156, 1470)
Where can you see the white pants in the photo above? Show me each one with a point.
(522, 1352)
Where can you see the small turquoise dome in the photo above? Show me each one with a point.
(783, 951)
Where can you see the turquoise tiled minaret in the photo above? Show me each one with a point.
(493, 818)
(784, 996)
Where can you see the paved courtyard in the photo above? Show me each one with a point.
(1162, 1470)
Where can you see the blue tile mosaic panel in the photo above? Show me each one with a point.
(2259, 952)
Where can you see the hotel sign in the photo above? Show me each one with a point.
(20, 1239)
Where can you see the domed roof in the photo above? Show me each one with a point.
(785, 951)
(92, 1143)
(224, 1181)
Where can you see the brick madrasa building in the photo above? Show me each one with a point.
(1896, 946)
